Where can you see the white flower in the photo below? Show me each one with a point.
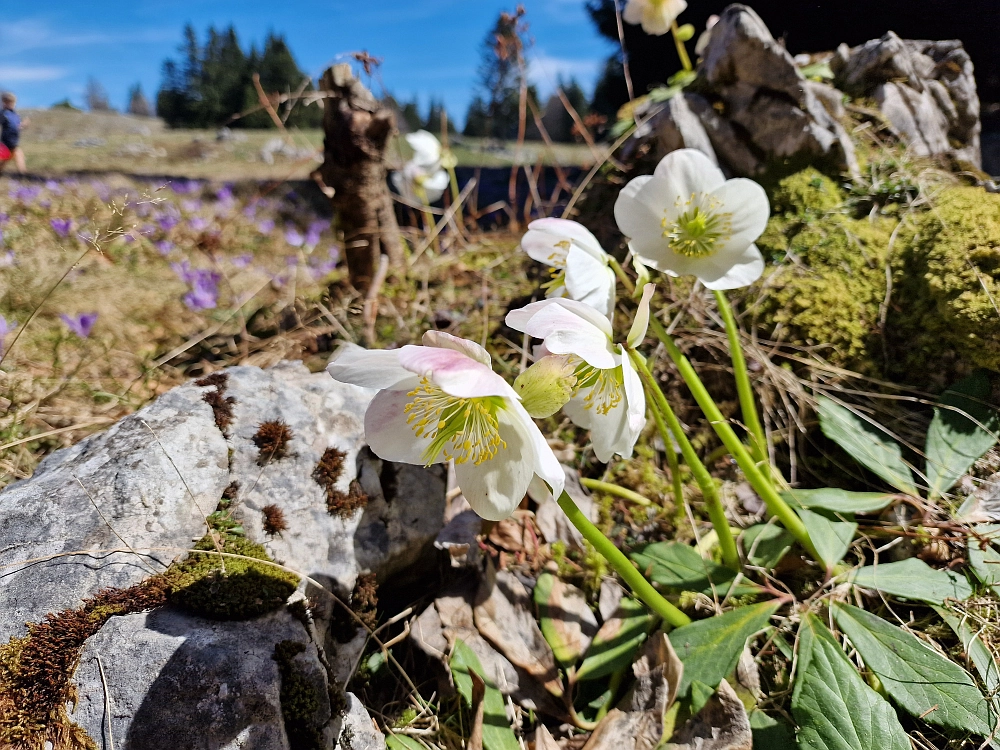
(687, 219)
(422, 179)
(609, 400)
(656, 16)
(441, 401)
(583, 273)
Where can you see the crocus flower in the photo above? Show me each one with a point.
(609, 400)
(191, 206)
(580, 265)
(293, 237)
(164, 247)
(224, 194)
(655, 16)
(7, 259)
(5, 329)
(422, 179)
(686, 219)
(242, 261)
(167, 222)
(81, 324)
(442, 401)
(266, 226)
(198, 224)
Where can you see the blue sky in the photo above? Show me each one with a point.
(429, 47)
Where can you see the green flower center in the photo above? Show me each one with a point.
(463, 429)
(699, 229)
(607, 387)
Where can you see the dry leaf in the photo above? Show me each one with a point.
(549, 517)
(609, 598)
(544, 740)
(478, 711)
(721, 725)
(567, 622)
(503, 616)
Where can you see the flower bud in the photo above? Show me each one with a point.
(546, 386)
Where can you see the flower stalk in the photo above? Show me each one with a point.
(665, 418)
(642, 588)
(758, 442)
(596, 485)
(775, 505)
(681, 49)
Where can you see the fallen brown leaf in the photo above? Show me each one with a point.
(567, 621)
(478, 711)
(544, 740)
(721, 725)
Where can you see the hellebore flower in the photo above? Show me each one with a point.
(687, 219)
(81, 324)
(422, 178)
(61, 226)
(580, 265)
(442, 401)
(655, 16)
(609, 400)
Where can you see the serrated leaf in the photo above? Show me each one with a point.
(497, 734)
(766, 544)
(920, 680)
(964, 427)
(770, 733)
(840, 501)
(564, 617)
(831, 533)
(710, 648)
(678, 567)
(870, 446)
(616, 643)
(913, 579)
(832, 705)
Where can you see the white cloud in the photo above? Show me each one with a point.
(545, 71)
(32, 34)
(24, 73)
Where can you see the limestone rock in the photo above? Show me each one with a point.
(358, 732)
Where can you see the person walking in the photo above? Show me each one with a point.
(10, 133)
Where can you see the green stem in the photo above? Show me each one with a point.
(613, 684)
(775, 505)
(682, 52)
(429, 222)
(758, 443)
(623, 277)
(639, 585)
(613, 489)
(453, 179)
(716, 513)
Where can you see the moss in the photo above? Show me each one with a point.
(947, 286)
(806, 192)
(227, 588)
(274, 519)
(300, 703)
(36, 671)
(327, 473)
(272, 440)
(222, 405)
(364, 603)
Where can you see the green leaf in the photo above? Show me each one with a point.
(616, 643)
(700, 695)
(497, 734)
(710, 648)
(402, 742)
(818, 71)
(678, 567)
(766, 544)
(920, 680)
(913, 579)
(770, 733)
(955, 439)
(986, 665)
(866, 443)
(831, 533)
(840, 501)
(984, 558)
(832, 705)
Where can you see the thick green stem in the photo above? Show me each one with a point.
(597, 485)
(642, 588)
(758, 442)
(682, 52)
(710, 493)
(623, 277)
(775, 505)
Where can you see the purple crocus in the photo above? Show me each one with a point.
(250, 210)
(191, 206)
(266, 226)
(81, 324)
(224, 194)
(293, 237)
(168, 222)
(163, 247)
(242, 261)
(7, 259)
(5, 329)
(61, 227)
(204, 292)
(198, 224)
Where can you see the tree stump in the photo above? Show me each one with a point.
(357, 129)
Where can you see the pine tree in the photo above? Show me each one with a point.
(96, 96)
(476, 119)
(138, 104)
(500, 69)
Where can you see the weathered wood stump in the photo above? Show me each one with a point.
(357, 132)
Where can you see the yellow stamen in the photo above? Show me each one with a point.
(699, 228)
(463, 429)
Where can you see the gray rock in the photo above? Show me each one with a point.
(675, 126)
(358, 732)
(172, 680)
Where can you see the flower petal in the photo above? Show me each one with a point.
(746, 203)
(632, 216)
(636, 398)
(590, 281)
(371, 368)
(387, 432)
(641, 322)
(608, 431)
(551, 231)
(565, 332)
(730, 273)
(518, 319)
(496, 487)
(545, 462)
(426, 148)
(689, 171)
(443, 340)
(454, 372)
